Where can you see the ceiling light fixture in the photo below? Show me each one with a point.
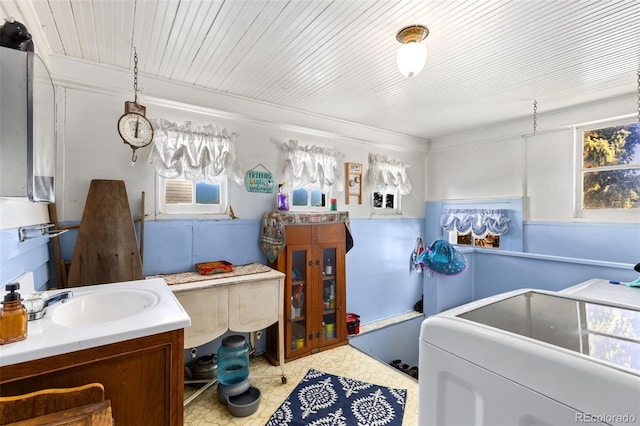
(412, 55)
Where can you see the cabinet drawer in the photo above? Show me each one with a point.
(334, 233)
(313, 234)
(298, 234)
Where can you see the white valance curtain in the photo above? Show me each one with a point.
(312, 167)
(386, 174)
(479, 221)
(195, 153)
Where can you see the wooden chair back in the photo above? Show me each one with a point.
(57, 406)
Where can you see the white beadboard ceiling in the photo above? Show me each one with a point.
(487, 59)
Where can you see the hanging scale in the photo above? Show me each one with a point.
(134, 127)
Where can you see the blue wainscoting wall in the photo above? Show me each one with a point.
(399, 341)
(174, 246)
(17, 258)
(444, 292)
(493, 272)
(381, 285)
(554, 256)
(614, 242)
(380, 282)
(499, 272)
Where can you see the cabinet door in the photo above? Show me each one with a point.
(298, 290)
(332, 297)
(254, 306)
(209, 311)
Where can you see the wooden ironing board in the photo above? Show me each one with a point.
(106, 249)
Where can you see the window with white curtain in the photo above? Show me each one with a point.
(312, 173)
(193, 164)
(476, 227)
(389, 181)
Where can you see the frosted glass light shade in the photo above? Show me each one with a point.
(411, 58)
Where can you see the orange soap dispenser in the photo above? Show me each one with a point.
(13, 317)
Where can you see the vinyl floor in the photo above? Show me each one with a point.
(346, 361)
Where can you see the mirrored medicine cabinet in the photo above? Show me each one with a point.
(27, 127)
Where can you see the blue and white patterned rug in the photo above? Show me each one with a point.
(324, 399)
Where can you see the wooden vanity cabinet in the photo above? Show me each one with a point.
(142, 377)
(315, 290)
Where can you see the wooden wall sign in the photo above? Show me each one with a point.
(353, 177)
(258, 180)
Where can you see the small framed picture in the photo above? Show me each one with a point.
(353, 181)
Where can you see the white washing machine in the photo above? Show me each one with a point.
(531, 357)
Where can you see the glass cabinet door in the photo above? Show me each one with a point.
(299, 290)
(330, 320)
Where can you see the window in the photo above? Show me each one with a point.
(312, 172)
(312, 198)
(470, 239)
(181, 196)
(475, 227)
(193, 164)
(389, 181)
(387, 201)
(608, 175)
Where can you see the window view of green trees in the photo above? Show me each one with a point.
(611, 167)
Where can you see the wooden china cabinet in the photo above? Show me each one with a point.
(315, 290)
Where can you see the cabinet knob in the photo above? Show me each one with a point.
(317, 262)
(311, 336)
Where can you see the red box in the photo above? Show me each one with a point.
(214, 267)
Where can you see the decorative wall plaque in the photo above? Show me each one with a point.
(259, 180)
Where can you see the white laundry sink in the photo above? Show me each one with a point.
(99, 315)
(103, 306)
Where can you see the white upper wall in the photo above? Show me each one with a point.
(507, 161)
(502, 161)
(89, 147)
(489, 170)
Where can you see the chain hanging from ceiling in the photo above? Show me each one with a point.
(535, 117)
(135, 75)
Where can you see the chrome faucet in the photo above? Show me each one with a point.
(37, 306)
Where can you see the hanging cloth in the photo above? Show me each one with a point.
(414, 265)
(387, 175)
(195, 153)
(312, 167)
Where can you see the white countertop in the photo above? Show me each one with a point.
(46, 338)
